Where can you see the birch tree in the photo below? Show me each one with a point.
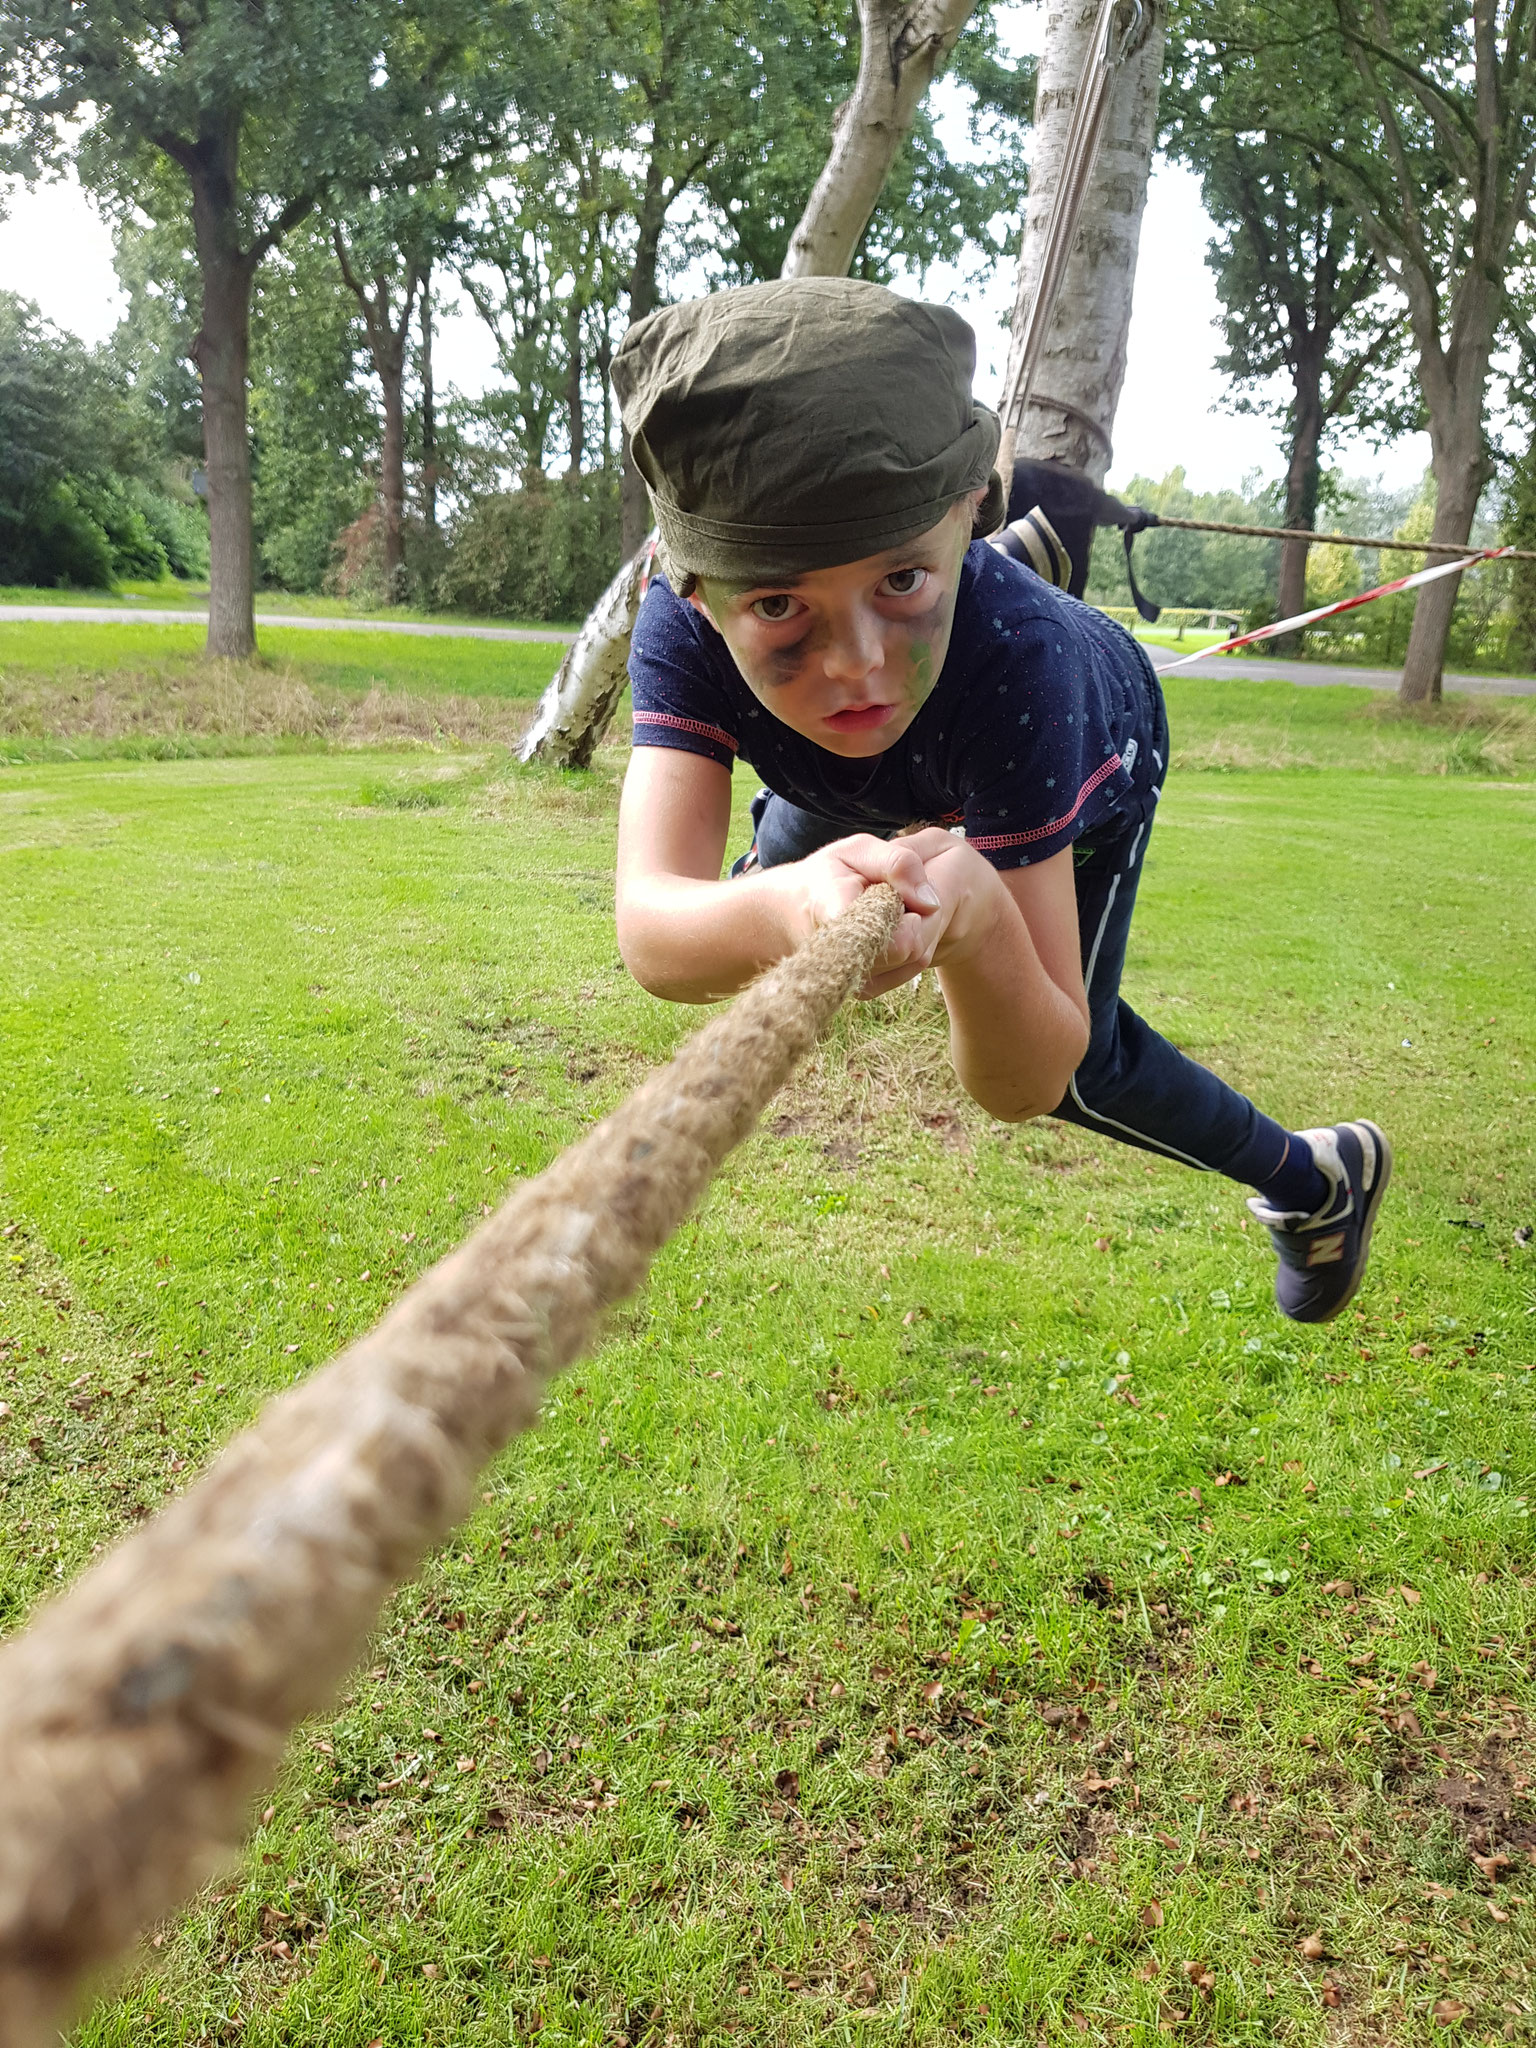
(1075, 390)
(902, 50)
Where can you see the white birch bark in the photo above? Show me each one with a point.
(575, 709)
(901, 49)
(1082, 366)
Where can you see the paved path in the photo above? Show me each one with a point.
(1263, 668)
(1260, 668)
(112, 615)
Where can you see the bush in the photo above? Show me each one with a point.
(54, 542)
(179, 526)
(544, 553)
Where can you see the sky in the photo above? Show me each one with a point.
(56, 250)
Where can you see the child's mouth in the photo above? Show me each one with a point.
(862, 718)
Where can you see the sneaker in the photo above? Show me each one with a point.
(1322, 1257)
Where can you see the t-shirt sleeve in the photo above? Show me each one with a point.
(677, 700)
(1045, 763)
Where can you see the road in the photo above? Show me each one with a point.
(1263, 668)
(1260, 668)
(118, 614)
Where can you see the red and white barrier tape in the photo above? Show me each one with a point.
(1344, 604)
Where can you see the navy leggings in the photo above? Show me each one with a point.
(1132, 1084)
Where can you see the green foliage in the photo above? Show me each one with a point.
(1520, 531)
(544, 553)
(1314, 328)
(1191, 568)
(313, 430)
(83, 497)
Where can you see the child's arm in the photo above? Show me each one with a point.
(1009, 962)
(687, 935)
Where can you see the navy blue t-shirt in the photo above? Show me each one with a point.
(1029, 739)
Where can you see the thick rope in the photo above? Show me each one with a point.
(1335, 540)
(141, 1712)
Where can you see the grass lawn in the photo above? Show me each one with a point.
(71, 692)
(952, 1606)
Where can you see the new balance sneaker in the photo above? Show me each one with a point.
(1322, 1256)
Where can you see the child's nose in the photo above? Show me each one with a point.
(855, 648)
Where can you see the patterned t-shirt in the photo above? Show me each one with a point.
(1028, 740)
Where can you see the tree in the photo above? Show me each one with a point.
(314, 426)
(83, 483)
(576, 708)
(1070, 406)
(1422, 119)
(1306, 299)
(262, 111)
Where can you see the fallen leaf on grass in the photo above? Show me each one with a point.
(1490, 1866)
(1330, 1993)
(787, 1785)
(1411, 1595)
(1152, 1913)
(1496, 1912)
(1312, 1948)
(1201, 1975)
(1344, 1588)
(1168, 1841)
(933, 1689)
(1448, 2012)
(1149, 1969)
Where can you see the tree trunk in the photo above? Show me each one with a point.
(1071, 410)
(574, 711)
(576, 422)
(389, 361)
(222, 354)
(1300, 496)
(428, 412)
(634, 499)
(897, 61)
(900, 50)
(1454, 381)
(1459, 479)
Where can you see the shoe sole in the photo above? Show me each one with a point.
(1368, 1222)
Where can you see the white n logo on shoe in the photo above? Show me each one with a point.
(1327, 1251)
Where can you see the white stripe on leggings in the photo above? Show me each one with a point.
(1152, 1144)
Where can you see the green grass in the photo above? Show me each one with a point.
(951, 1605)
(175, 595)
(100, 692)
(343, 661)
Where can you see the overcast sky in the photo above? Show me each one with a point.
(55, 249)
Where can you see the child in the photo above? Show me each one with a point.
(820, 475)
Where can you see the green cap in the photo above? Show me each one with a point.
(797, 425)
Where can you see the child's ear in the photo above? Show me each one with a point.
(696, 599)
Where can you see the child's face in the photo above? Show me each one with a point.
(847, 657)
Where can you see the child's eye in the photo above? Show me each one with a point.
(904, 582)
(776, 609)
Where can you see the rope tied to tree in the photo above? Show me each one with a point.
(142, 1711)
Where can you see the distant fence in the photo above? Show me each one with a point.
(1177, 616)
